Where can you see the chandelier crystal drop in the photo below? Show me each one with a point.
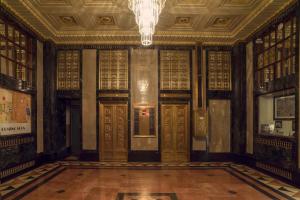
(146, 16)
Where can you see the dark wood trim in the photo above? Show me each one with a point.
(284, 83)
(144, 156)
(49, 97)
(129, 100)
(25, 150)
(238, 100)
(98, 101)
(199, 75)
(297, 127)
(203, 156)
(89, 155)
(69, 94)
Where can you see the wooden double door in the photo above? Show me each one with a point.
(175, 132)
(113, 131)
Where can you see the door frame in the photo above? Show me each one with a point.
(74, 103)
(99, 123)
(189, 123)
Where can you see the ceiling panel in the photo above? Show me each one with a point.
(110, 21)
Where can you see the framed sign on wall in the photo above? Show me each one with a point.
(284, 107)
(15, 112)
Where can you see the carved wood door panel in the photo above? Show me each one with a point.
(175, 129)
(113, 132)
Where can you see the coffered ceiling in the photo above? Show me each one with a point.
(110, 21)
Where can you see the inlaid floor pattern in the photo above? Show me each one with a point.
(145, 181)
(139, 184)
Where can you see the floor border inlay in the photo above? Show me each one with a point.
(271, 187)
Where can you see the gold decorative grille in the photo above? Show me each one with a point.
(174, 70)
(275, 170)
(68, 70)
(219, 70)
(275, 142)
(113, 70)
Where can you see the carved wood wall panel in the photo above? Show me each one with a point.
(219, 70)
(68, 70)
(175, 129)
(113, 132)
(174, 70)
(113, 70)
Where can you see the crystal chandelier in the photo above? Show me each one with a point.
(146, 16)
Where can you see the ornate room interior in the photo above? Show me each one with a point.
(149, 99)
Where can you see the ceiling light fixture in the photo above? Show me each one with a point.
(146, 16)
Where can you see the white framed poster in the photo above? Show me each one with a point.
(15, 112)
(284, 107)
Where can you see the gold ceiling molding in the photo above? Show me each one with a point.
(71, 22)
(232, 3)
(255, 14)
(105, 20)
(287, 5)
(191, 3)
(251, 16)
(183, 20)
(12, 10)
(68, 20)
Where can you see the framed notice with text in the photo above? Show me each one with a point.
(284, 107)
(15, 112)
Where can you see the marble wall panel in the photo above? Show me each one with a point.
(144, 92)
(249, 97)
(219, 126)
(40, 97)
(89, 120)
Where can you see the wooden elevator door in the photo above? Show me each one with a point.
(113, 132)
(175, 132)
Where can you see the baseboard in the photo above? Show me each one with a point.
(47, 157)
(41, 159)
(17, 170)
(250, 161)
(297, 178)
(202, 156)
(89, 155)
(144, 156)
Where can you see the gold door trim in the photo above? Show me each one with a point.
(175, 132)
(113, 123)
